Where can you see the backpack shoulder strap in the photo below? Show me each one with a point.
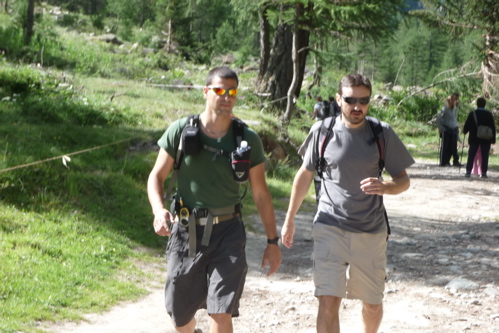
(238, 133)
(238, 130)
(476, 120)
(377, 131)
(325, 132)
(194, 121)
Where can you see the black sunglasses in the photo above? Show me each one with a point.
(354, 100)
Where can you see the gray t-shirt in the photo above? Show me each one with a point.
(351, 156)
(447, 118)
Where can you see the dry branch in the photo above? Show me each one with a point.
(436, 83)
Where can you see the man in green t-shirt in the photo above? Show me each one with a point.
(210, 271)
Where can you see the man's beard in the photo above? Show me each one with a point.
(353, 120)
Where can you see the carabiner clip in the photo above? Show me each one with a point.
(184, 216)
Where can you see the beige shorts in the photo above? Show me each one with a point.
(349, 265)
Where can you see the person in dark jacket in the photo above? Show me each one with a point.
(335, 108)
(483, 117)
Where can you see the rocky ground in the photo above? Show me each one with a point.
(443, 273)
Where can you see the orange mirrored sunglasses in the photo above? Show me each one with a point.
(221, 91)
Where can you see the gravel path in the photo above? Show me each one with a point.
(442, 276)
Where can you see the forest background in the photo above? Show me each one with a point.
(88, 86)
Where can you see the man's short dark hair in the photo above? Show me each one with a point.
(354, 80)
(223, 73)
(480, 102)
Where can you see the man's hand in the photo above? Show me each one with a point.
(273, 257)
(372, 186)
(287, 233)
(162, 220)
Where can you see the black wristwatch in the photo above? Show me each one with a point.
(274, 241)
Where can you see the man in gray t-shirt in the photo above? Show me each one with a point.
(349, 229)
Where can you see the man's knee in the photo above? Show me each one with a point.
(221, 318)
(329, 304)
(372, 309)
(187, 328)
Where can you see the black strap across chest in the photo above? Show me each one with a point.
(376, 130)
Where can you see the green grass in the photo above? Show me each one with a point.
(69, 236)
(57, 262)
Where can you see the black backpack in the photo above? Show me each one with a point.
(324, 110)
(323, 140)
(191, 126)
(191, 130)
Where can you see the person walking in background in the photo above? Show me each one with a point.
(335, 108)
(477, 163)
(482, 117)
(449, 131)
(320, 109)
(350, 227)
(206, 251)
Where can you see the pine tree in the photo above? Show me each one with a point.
(460, 17)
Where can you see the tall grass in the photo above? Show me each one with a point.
(69, 234)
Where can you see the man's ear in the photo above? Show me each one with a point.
(338, 99)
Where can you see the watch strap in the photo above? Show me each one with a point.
(274, 241)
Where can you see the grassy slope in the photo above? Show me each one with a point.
(67, 235)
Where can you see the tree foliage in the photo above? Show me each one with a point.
(460, 17)
(300, 21)
(332, 38)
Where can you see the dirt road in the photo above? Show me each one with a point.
(443, 273)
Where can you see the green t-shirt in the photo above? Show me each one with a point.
(205, 180)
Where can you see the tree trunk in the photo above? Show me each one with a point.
(295, 56)
(279, 74)
(490, 68)
(303, 49)
(277, 78)
(168, 46)
(30, 21)
(264, 43)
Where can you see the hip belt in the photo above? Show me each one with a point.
(207, 218)
(216, 219)
(202, 221)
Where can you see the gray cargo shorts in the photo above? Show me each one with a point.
(213, 279)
